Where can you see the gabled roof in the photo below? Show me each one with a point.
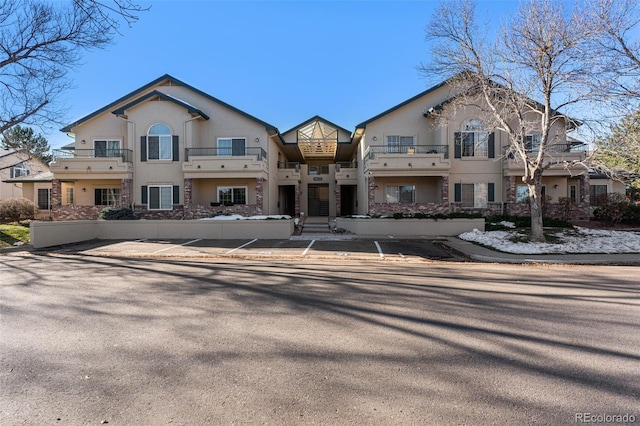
(315, 118)
(573, 122)
(400, 105)
(166, 77)
(45, 176)
(157, 94)
(314, 147)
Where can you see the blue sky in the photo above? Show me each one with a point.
(281, 61)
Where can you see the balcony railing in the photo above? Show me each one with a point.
(318, 170)
(125, 154)
(556, 149)
(408, 150)
(288, 165)
(346, 165)
(258, 152)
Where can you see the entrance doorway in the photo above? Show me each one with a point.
(287, 200)
(318, 200)
(348, 195)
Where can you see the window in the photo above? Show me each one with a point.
(107, 197)
(160, 197)
(232, 195)
(467, 195)
(401, 194)
(474, 195)
(399, 144)
(532, 143)
(19, 170)
(522, 193)
(473, 139)
(573, 193)
(231, 146)
(44, 199)
(596, 194)
(107, 148)
(70, 199)
(159, 143)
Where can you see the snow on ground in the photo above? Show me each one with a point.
(239, 217)
(575, 240)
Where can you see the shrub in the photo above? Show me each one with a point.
(632, 214)
(111, 213)
(16, 210)
(523, 222)
(612, 208)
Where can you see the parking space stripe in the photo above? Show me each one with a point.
(379, 249)
(242, 246)
(177, 245)
(304, 253)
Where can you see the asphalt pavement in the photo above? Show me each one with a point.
(120, 341)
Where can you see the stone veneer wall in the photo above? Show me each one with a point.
(200, 212)
(491, 209)
(426, 208)
(76, 212)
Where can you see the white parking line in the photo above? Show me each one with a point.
(379, 249)
(304, 253)
(177, 245)
(244, 245)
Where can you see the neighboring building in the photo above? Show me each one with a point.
(169, 150)
(23, 176)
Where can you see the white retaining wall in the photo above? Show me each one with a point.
(47, 234)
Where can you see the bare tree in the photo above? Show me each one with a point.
(523, 81)
(615, 28)
(40, 42)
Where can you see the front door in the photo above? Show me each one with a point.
(318, 200)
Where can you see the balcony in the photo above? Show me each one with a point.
(288, 173)
(225, 162)
(93, 163)
(347, 173)
(564, 159)
(423, 160)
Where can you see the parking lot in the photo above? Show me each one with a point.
(89, 340)
(332, 248)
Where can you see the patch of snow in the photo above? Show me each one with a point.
(240, 217)
(576, 240)
(506, 224)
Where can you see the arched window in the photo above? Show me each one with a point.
(159, 142)
(473, 138)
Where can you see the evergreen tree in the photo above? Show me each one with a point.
(24, 139)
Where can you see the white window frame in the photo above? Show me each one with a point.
(70, 196)
(165, 144)
(474, 195)
(160, 189)
(230, 147)
(19, 170)
(573, 188)
(522, 193)
(231, 189)
(398, 144)
(393, 193)
(114, 196)
(474, 139)
(109, 151)
(532, 143)
(48, 198)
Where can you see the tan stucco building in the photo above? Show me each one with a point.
(169, 150)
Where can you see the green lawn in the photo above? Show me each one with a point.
(13, 232)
